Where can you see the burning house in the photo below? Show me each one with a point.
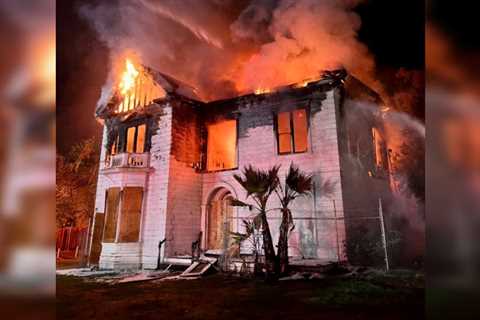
(168, 159)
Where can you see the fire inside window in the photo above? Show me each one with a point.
(292, 131)
(222, 145)
(380, 148)
(135, 137)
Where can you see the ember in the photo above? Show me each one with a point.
(262, 90)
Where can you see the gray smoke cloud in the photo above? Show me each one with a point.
(227, 47)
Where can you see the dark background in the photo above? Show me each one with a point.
(393, 31)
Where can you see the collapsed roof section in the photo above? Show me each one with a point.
(140, 87)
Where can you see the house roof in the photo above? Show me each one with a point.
(166, 82)
(172, 85)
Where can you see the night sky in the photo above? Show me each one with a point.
(393, 31)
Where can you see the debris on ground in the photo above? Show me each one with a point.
(86, 272)
(194, 271)
(199, 268)
(145, 276)
(295, 276)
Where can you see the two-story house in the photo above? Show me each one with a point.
(168, 160)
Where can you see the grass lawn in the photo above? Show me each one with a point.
(223, 297)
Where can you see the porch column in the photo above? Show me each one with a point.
(203, 226)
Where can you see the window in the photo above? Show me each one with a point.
(222, 145)
(380, 150)
(115, 146)
(131, 213)
(124, 211)
(112, 204)
(292, 131)
(136, 139)
(132, 140)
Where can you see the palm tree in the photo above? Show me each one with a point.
(297, 184)
(260, 185)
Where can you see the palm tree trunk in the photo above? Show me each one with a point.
(283, 242)
(269, 251)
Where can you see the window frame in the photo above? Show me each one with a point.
(135, 138)
(292, 131)
(119, 213)
(236, 145)
(120, 143)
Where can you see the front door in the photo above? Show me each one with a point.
(220, 213)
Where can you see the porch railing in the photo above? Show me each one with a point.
(127, 160)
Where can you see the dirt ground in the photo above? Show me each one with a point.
(226, 297)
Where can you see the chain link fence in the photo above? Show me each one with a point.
(357, 235)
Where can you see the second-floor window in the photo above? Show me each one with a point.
(292, 131)
(222, 145)
(134, 138)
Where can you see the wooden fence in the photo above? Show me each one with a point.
(70, 242)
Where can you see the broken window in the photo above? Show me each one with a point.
(380, 150)
(222, 145)
(292, 131)
(131, 139)
(124, 211)
(136, 139)
(115, 146)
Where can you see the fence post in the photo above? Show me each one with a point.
(384, 236)
(226, 235)
(336, 229)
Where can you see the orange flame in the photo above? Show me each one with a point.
(137, 88)
(128, 78)
(262, 90)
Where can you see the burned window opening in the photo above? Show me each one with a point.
(292, 131)
(133, 137)
(222, 145)
(380, 151)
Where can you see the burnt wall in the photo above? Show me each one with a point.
(117, 125)
(186, 139)
(362, 184)
(184, 180)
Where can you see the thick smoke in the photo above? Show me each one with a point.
(228, 47)
(399, 131)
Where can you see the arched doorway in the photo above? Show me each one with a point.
(219, 219)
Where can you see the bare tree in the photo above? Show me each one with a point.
(76, 183)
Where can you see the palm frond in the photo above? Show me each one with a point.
(298, 181)
(257, 182)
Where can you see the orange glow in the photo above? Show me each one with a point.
(222, 145)
(128, 78)
(262, 90)
(137, 87)
(304, 83)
